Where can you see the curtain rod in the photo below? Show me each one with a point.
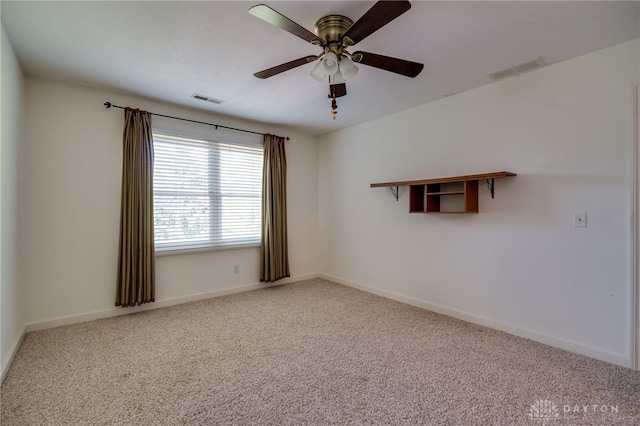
(110, 105)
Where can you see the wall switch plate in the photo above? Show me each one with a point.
(236, 270)
(580, 220)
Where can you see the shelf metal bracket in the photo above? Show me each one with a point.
(491, 186)
(394, 191)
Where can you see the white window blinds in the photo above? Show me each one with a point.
(206, 193)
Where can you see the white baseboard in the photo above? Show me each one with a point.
(6, 363)
(516, 331)
(117, 311)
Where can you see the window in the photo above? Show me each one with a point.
(206, 193)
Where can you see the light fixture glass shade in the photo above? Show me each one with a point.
(347, 67)
(330, 62)
(318, 71)
(336, 78)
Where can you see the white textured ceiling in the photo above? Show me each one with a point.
(170, 50)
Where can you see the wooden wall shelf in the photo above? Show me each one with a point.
(455, 194)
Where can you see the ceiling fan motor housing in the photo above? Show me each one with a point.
(331, 28)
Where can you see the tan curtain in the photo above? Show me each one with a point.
(136, 257)
(274, 251)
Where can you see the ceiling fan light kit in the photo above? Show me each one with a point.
(334, 34)
(347, 68)
(327, 65)
(318, 72)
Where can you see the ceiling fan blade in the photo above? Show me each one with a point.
(377, 17)
(270, 72)
(399, 66)
(269, 15)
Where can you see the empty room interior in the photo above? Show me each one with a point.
(352, 212)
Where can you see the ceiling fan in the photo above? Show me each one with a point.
(335, 34)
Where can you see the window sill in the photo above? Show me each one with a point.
(203, 250)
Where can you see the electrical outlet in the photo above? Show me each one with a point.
(580, 220)
(236, 270)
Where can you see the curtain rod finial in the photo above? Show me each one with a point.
(107, 104)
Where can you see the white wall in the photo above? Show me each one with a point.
(71, 202)
(518, 265)
(11, 311)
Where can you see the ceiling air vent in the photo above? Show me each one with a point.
(207, 98)
(517, 69)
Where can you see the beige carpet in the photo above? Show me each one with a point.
(313, 352)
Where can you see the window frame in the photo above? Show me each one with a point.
(213, 243)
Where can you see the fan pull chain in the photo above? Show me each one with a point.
(334, 107)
